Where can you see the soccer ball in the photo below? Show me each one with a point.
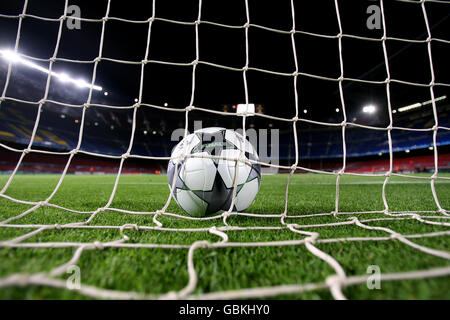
(204, 185)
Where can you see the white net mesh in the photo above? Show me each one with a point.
(334, 283)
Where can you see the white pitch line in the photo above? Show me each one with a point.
(283, 183)
(367, 182)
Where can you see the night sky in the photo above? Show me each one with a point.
(268, 50)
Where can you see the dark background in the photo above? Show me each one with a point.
(215, 87)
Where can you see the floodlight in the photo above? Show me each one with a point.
(369, 109)
(12, 56)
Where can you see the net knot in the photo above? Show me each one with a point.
(246, 25)
(197, 22)
(432, 83)
(292, 31)
(353, 219)
(389, 127)
(295, 119)
(97, 59)
(104, 19)
(394, 236)
(435, 128)
(41, 102)
(145, 61)
(194, 62)
(189, 108)
(86, 105)
(52, 59)
(125, 155)
(295, 73)
(294, 167)
(57, 226)
(344, 123)
(341, 78)
(27, 150)
(74, 151)
(429, 37)
(98, 245)
(245, 68)
(387, 80)
(334, 281)
(129, 226)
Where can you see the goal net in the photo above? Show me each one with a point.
(310, 228)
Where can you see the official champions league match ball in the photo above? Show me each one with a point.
(204, 186)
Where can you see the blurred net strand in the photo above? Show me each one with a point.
(335, 283)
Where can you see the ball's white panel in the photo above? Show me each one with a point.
(246, 195)
(191, 140)
(191, 203)
(226, 168)
(198, 173)
(236, 138)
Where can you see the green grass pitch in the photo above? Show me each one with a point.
(163, 270)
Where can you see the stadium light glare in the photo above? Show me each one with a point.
(337, 109)
(407, 150)
(165, 104)
(105, 93)
(136, 100)
(420, 104)
(14, 57)
(369, 109)
(80, 83)
(409, 107)
(64, 77)
(430, 148)
(10, 55)
(305, 111)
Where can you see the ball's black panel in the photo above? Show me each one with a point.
(255, 173)
(217, 197)
(179, 184)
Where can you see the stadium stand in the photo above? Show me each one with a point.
(108, 134)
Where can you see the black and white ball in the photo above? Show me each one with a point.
(204, 185)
